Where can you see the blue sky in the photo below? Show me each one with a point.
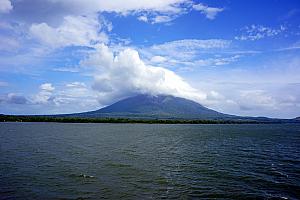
(237, 57)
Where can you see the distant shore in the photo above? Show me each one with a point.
(23, 118)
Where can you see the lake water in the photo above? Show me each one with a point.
(144, 161)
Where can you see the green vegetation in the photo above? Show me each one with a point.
(18, 118)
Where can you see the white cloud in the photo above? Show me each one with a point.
(121, 6)
(5, 6)
(161, 19)
(125, 74)
(66, 69)
(51, 10)
(76, 84)
(189, 53)
(209, 12)
(294, 46)
(257, 32)
(191, 44)
(68, 98)
(75, 93)
(152, 11)
(143, 18)
(269, 88)
(209, 62)
(158, 59)
(13, 98)
(45, 94)
(74, 31)
(256, 99)
(9, 44)
(47, 87)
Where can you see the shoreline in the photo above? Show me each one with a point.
(14, 118)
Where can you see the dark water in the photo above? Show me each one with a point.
(140, 161)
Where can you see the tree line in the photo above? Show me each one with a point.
(19, 118)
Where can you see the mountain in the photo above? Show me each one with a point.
(156, 107)
(145, 106)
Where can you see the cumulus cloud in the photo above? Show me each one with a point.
(45, 94)
(74, 31)
(257, 32)
(209, 12)
(125, 74)
(5, 6)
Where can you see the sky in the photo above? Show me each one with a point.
(67, 56)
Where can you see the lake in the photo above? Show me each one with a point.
(149, 161)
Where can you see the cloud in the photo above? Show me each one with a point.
(294, 46)
(74, 31)
(5, 6)
(75, 93)
(16, 99)
(257, 32)
(45, 94)
(208, 62)
(66, 69)
(71, 97)
(120, 6)
(191, 44)
(47, 87)
(70, 94)
(143, 18)
(256, 99)
(187, 48)
(8, 44)
(50, 11)
(191, 64)
(151, 11)
(125, 74)
(209, 12)
(13, 98)
(158, 18)
(158, 59)
(161, 19)
(189, 53)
